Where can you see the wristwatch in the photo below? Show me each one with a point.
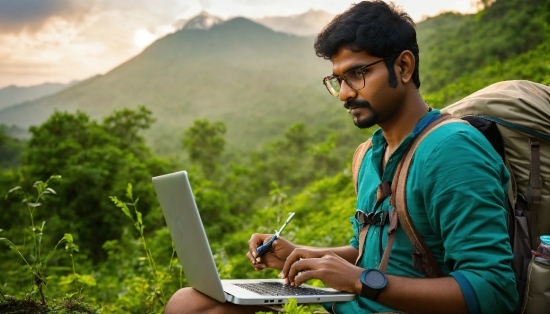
(373, 281)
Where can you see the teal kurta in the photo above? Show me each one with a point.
(456, 194)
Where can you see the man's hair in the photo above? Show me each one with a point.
(379, 28)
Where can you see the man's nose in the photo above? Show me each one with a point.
(346, 92)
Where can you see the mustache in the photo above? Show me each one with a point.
(354, 103)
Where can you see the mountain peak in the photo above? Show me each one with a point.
(202, 21)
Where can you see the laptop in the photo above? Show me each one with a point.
(184, 222)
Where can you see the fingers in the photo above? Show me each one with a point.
(255, 241)
(254, 261)
(300, 254)
(301, 271)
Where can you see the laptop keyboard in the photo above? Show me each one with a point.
(277, 288)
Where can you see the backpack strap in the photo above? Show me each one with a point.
(383, 190)
(357, 160)
(534, 191)
(423, 259)
(362, 238)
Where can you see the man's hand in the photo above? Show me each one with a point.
(304, 264)
(274, 258)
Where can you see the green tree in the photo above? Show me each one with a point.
(126, 124)
(10, 149)
(95, 160)
(205, 143)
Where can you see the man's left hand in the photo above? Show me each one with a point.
(304, 264)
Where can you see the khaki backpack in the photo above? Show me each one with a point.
(515, 117)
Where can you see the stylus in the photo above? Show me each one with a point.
(262, 249)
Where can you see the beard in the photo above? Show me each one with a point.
(366, 122)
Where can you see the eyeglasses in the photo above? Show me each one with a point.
(355, 79)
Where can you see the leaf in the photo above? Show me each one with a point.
(68, 237)
(55, 176)
(140, 221)
(66, 280)
(51, 191)
(70, 295)
(129, 191)
(87, 280)
(122, 206)
(34, 204)
(13, 190)
(14, 247)
(40, 186)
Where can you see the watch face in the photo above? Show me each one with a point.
(375, 279)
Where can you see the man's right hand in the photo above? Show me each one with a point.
(275, 257)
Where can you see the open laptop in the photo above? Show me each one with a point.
(187, 232)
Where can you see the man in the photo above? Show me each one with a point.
(456, 188)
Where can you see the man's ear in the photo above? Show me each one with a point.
(405, 66)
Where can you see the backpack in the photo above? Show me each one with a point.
(515, 117)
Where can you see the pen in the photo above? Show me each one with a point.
(262, 249)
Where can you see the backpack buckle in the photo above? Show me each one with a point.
(376, 218)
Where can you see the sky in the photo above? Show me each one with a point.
(58, 41)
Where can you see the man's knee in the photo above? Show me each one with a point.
(189, 300)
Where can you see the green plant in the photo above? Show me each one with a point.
(136, 218)
(37, 264)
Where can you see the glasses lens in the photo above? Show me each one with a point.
(355, 79)
(333, 86)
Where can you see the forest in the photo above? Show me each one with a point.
(81, 230)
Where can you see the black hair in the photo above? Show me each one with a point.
(377, 27)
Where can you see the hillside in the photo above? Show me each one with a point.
(454, 45)
(12, 95)
(256, 80)
(259, 82)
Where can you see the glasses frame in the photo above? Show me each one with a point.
(343, 77)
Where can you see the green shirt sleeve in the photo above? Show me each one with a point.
(463, 187)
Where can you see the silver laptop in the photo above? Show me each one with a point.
(187, 232)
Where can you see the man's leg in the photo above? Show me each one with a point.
(189, 300)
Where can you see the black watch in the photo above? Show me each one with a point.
(373, 281)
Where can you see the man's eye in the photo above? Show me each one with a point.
(356, 74)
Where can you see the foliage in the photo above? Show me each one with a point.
(10, 149)
(504, 30)
(38, 262)
(93, 158)
(62, 306)
(126, 124)
(532, 65)
(156, 295)
(205, 143)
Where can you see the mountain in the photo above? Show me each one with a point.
(309, 23)
(203, 20)
(257, 81)
(12, 95)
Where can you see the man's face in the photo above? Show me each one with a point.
(373, 103)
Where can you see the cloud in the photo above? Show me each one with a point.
(30, 16)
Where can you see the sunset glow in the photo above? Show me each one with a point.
(63, 40)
